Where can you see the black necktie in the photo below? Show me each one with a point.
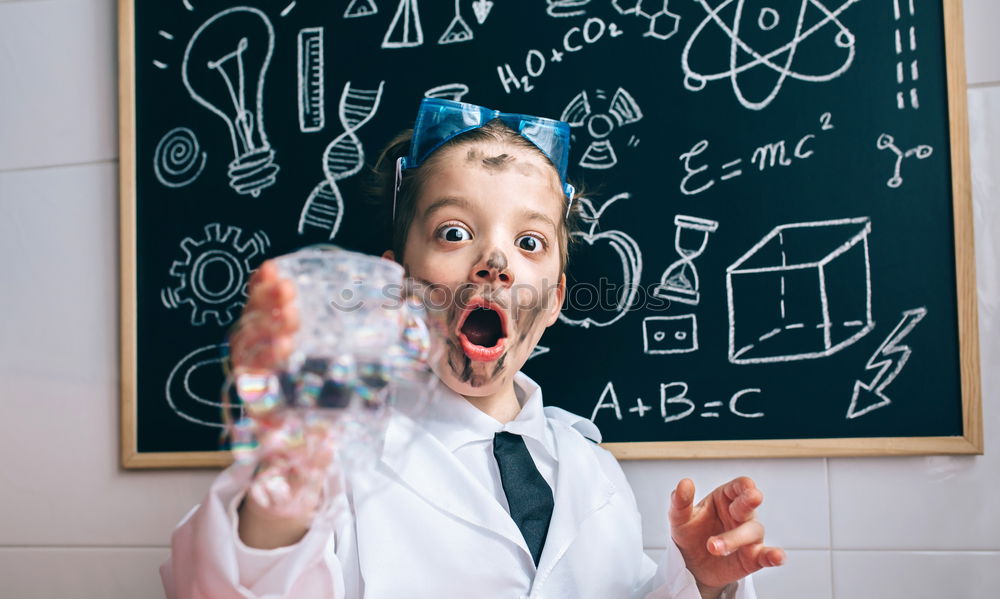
(529, 496)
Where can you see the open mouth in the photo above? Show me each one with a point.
(482, 331)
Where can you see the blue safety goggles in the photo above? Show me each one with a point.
(439, 120)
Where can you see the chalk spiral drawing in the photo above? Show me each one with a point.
(230, 84)
(404, 31)
(767, 19)
(622, 110)
(887, 142)
(178, 159)
(482, 10)
(448, 91)
(670, 334)
(680, 281)
(343, 157)
(312, 106)
(626, 248)
(889, 359)
(185, 401)
(781, 306)
(212, 277)
(360, 8)
(914, 67)
(458, 30)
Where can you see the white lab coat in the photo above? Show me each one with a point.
(423, 528)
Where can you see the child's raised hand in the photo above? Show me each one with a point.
(720, 538)
(262, 338)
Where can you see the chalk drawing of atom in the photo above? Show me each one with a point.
(769, 45)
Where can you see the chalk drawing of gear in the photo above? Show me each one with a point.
(621, 110)
(212, 277)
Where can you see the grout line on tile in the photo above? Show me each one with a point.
(983, 84)
(920, 550)
(43, 167)
(829, 514)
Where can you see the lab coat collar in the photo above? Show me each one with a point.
(455, 421)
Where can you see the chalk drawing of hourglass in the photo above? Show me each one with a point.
(224, 70)
(680, 280)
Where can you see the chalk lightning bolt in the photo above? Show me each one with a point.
(889, 359)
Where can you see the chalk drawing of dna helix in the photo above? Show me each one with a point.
(343, 158)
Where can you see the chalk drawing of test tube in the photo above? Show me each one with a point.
(344, 157)
(224, 70)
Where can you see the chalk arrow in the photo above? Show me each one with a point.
(889, 359)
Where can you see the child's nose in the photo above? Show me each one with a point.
(493, 268)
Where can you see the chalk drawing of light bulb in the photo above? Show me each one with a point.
(225, 64)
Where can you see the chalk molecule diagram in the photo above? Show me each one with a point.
(744, 58)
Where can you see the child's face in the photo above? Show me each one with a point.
(485, 234)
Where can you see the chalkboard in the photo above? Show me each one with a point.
(777, 258)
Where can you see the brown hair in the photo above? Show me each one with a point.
(413, 181)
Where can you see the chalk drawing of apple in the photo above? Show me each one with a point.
(631, 264)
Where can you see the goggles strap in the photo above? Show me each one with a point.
(399, 183)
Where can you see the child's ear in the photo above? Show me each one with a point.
(556, 298)
(389, 255)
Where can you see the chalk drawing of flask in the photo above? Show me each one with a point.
(680, 280)
(224, 70)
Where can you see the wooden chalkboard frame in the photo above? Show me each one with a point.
(970, 442)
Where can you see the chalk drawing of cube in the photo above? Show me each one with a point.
(802, 292)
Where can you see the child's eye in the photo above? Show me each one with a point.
(530, 243)
(454, 233)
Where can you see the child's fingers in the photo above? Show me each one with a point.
(763, 557)
(260, 351)
(748, 533)
(267, 271)
(269, 295)
(738, 486)
(681, 502)
(744, 507)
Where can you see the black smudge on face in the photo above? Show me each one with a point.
(497, 163)
(497, 260)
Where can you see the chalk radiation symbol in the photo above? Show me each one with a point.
(599, 124)
(768, 44)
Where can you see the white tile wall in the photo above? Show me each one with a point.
(92, 573)
(795, 510)
(58, 96)
(915, 575)
(981, 20)
(73, 524)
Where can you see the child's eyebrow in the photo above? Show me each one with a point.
(539, 216)
(443, 202)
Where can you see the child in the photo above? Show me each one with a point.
(493, 495)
